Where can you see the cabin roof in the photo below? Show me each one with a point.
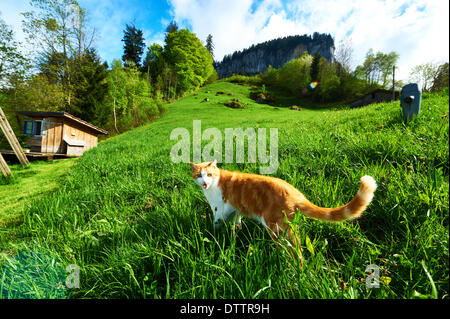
(64, 115)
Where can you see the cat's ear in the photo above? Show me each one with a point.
(213, 163)
(192, 165)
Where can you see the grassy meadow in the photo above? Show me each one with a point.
(137, 226)
(26, 185)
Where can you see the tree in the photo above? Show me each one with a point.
(329, 83)
(344, 55)
(51, 65)
(58, 29)
(385, 64)
(12, 61)
(139, 102)
(133, 45)
(440, 80)
(153, 61)
(424, 75)
(190, 60)
(314, 72)
(377, 68)
(117, 97)
(210, 45)
(32, 94)
(270, 76)
(295, 74)
(91, 88)
(172, 27)
(366, 70)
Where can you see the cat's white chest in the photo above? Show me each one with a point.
(214, 197)
(220, 208)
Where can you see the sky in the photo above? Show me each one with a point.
(416, 29)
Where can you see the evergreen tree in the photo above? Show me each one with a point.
(210, 45)
(172, 27)
(90, 88)
(133, 45)
(314, 72)
(51, 64)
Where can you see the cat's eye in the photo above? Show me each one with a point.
(199, 175)
(209, 174)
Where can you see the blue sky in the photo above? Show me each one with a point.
(416, 29)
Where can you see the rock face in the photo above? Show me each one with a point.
(276, 53)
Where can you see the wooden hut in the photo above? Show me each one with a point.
(59, 133)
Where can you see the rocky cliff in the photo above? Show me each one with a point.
(276, 53)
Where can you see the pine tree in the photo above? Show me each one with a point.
(172, 27)
(90, 88)
(210, 45)
(314, 72)
(133, 45)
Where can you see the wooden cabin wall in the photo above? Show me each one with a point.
(52, 136)
(79, 132)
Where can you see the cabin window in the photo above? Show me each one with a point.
(37, 128)
(32, 128)
(28, 128)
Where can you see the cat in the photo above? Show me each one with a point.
(269, 200)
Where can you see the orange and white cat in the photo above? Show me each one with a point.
(269, 199)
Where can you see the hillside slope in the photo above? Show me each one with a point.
(137, 225)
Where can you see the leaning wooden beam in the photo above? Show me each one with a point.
(12, 139)
(4, 167)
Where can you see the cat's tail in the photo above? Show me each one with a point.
(351, 210)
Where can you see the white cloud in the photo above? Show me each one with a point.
(416, 29)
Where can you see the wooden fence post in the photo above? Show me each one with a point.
(4, 167)
(12, 139)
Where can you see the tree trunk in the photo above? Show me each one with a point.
(114, 112)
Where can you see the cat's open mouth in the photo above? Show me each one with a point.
(204, 185)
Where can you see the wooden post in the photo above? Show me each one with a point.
(4, 167)
(393, 83)
(12, 139)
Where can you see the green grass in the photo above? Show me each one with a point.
(138, 226)
(27, 184)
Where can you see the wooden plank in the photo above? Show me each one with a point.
(4, 167)
(44, 136)
(51, 137)
(58, 138)
(12, 139)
